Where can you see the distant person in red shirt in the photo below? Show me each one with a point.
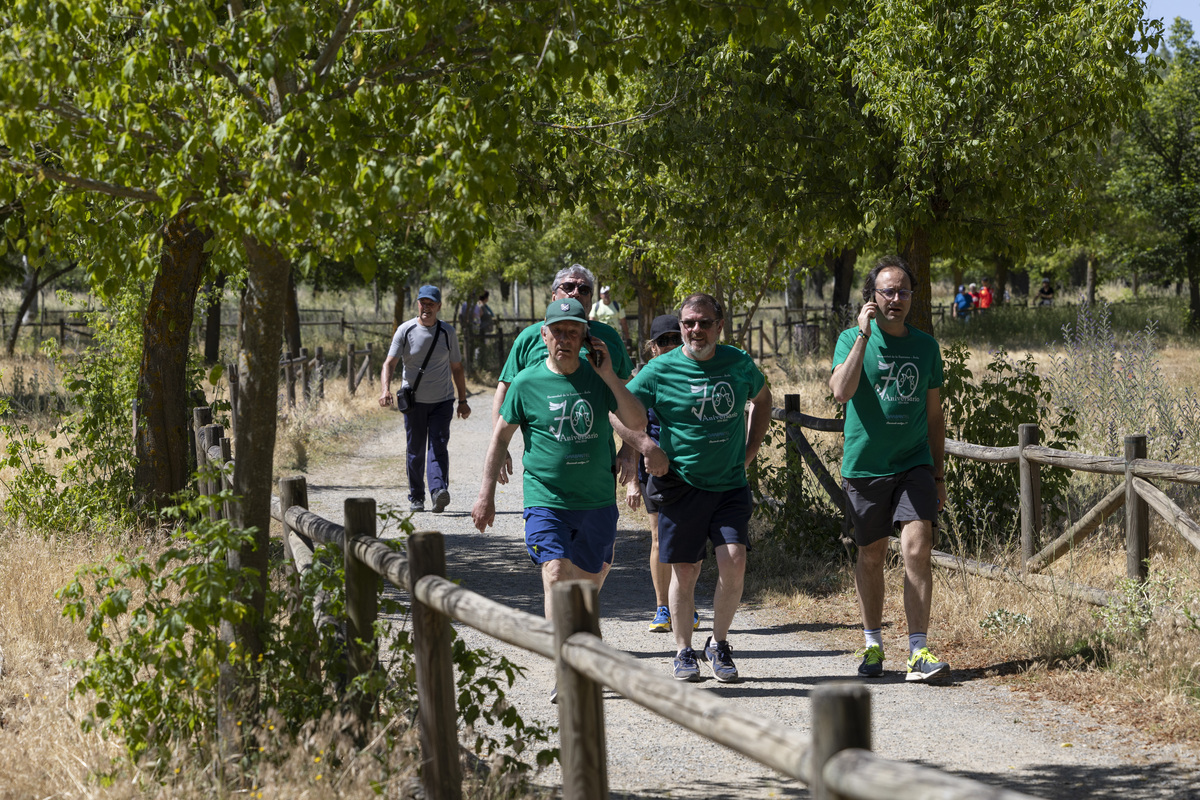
(985, 294)
(973, 293)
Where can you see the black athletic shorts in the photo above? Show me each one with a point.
(879, 506)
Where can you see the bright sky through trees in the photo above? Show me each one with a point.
(1170, 9)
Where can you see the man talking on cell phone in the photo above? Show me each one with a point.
(561, 406)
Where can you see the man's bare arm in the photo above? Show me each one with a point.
(760, 420)
(385, 379)
(484, 510)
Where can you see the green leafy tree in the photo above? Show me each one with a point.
(1160, 164)
(293, 131)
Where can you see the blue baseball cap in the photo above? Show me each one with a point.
(428, 292)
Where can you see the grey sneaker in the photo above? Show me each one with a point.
(416, 505)
(685, 668)
(872, 662)
(720, 658)
(924, 666)
(441, 499)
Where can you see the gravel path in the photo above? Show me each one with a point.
(975, 727)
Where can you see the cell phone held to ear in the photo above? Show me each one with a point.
(595, 355)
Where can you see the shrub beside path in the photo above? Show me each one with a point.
(975, 727)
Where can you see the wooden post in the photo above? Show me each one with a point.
(580, 699)
(841, 714)
(437, 716)
(305, 386)
(234, 396)
(289, 373)
(1031, 493)
(320, 370)
(226, 509)
(370, 371)
(292, 492)
(1137, 515)
(210, 435)
(362, 587)
(350, 367)
(791, 404)
(201, 417)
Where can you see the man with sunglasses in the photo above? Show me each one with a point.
(889, 375)
(699, 392)
(528, 349)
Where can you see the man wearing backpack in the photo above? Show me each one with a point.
(432, 371)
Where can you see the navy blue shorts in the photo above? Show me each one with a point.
(695, 517)
(651, 506)
(586, 537)
(877, 507)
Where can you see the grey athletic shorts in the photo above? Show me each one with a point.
(879, 506)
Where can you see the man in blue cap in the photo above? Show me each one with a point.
(432, 371)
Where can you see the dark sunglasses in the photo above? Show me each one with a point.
(702, 324)
(669, 340)
(571, 287)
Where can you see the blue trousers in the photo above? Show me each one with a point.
(428, 423)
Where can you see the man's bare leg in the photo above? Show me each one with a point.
(560, 570)
(731, 574)
(682, 600)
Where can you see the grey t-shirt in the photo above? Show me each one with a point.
(415, 340)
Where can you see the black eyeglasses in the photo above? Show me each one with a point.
(669, 340)
(702, 324)
(892, 294)
(571, 287)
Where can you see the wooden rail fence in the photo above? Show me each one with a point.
(1135, 492)
(836, 761)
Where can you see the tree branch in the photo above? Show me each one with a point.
(321, 68)
(79, 182)
(226, 71)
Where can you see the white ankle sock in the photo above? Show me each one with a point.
(874, 637)
(916, 641)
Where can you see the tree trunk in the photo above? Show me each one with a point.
(841, 264)
(291, 316)
(400, 295)
(956, 273)
(1136, 286)
(260, 323)
(917, 253)
(814, 281)
(1003, 265)
(1090, 280)
(212, 325)
(163, 444)
(30, 290)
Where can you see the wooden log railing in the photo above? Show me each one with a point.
(355, 377)
(1136, 493)
(585, 665)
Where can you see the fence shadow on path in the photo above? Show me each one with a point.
(1090, 782)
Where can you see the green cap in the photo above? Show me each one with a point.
(566, 309)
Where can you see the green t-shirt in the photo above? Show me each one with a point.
(887, 431)
(529, 349)
(569, 454)
(701, 406)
